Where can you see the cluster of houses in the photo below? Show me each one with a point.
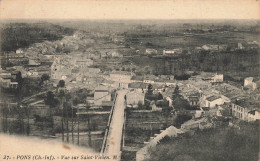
(9, 79)
(197, 91)
(206, 47)
(223, 99)
(200, 92)
(150, 51)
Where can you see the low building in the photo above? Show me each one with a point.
(243, 112)
(121, 76)
(212, 101)
(134, 98)
(218, 78)
(150, 51)
(101, 94)
(253, 115)
(239, 112)
(168, 52)
(194, 100)
(240, 46)
(249, 83)
(19, 51)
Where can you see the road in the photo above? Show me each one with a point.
(113, 146)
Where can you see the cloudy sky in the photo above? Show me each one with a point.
(134, 9)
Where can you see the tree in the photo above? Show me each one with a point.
(176, 93)
(180, 103)
(61, 83)
(140, 105)
(50, 100)
(181, 118)
(61, 95)
(75, 101)
(160, 96)
(5, 112)
(149, 90)
(44, 77)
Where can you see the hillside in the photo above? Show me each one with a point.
(219, 144)
(21, 35)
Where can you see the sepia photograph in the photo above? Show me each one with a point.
(149, 80)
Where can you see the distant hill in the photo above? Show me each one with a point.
(21, 35)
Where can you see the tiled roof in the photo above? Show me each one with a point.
(212, 98)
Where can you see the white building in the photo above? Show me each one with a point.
(168, 52)
(249, 83)
(212, 101)
(121, 79)
(244, 113)
(19, 51)
(218, 78)
(240, 46)
(253, 115)
(150, 51)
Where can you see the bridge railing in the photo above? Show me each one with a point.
(108, 126)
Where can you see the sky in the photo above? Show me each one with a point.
(134, 9)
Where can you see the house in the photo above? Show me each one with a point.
(212, 101)
(40, 109)
(114, 54)
(9, 79)
(210, 47)
(168, 52)
(139, 86)
(242, 110)
(239, 112)
(213, 78)
(101, 94)
(194, 99)
(217, 78)
(240, 46)
(133, 98)
(150, 79)
(253, 115)
(5, 81)
(150, 51)
(121, 76)
(121, 79)
(249, 83)
(19, 51)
